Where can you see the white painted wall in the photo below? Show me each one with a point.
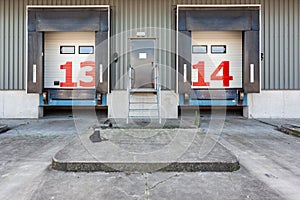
(274, 104)
(267, 104)
(18, 104)
(118, 104)
(169, 104)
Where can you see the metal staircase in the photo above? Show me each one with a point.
(144, 103)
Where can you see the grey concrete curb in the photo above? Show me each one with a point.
(94, 166)
(3, 128)
(290, 130)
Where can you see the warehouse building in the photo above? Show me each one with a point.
(150, 58)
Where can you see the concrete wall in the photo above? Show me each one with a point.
(274, 104)
(118, 104)
(169, 104)
(18, 104)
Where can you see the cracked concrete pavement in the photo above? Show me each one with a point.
(269, 166)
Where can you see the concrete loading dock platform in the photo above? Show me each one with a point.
(141, 149)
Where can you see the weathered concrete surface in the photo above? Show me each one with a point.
(269, 161)
(161, 185)
(25, 154)
(268, 154)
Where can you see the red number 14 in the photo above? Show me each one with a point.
(214, 76)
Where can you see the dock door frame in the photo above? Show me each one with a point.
(34, 42)
(251, 43)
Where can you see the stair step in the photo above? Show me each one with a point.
(142, 102)
(143, 96)
(143, 109)
(143, 90)
(144, 117)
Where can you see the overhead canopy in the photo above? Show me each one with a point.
(231, 20)
(67, 20)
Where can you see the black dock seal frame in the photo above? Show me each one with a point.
(42, 19)
(245, 18)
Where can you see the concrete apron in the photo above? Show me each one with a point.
(145, 150)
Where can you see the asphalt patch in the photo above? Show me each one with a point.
(96, 137)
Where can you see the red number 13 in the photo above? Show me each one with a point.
(69, 79)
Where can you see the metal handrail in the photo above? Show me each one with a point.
(158, 88)
(129, 68)
(132, 70)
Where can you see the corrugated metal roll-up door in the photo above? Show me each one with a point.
(69, 60)
(217, 59)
